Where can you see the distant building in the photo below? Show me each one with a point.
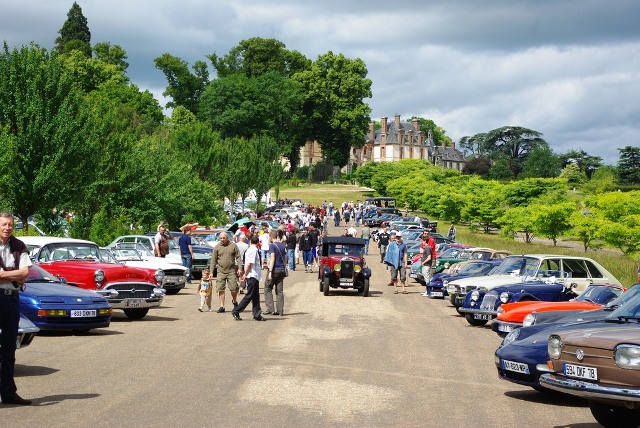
(394, 141)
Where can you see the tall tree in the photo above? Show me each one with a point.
(587, 163)
(45, 133)
(337, 116)
(629, 165)
(256, 56)
(184, 87)
(542, 163)
(74, 34)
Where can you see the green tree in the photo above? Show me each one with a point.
(184, 87)
(89, 73)
(501, 170)
(551, 221)
(113, 55)
(45, 133)
(586, 226)
(573, 175)
(604, 179)
(257, 56)
(336, 115)
(484, 203)
(477, 165)
(587, 163)
(629, 165)
(74, 34)
(439, 134)
(541, 162)
(517, 220)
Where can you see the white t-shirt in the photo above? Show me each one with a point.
(252, 257)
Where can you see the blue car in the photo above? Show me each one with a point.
(53, 305)
(522, 356)
(480, 306)
(438, 283)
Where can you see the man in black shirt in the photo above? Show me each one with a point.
(314, 233)
(305, 242)
(383, 242)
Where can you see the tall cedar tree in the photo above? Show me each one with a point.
(74, 34)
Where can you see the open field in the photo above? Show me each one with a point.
(621, 267)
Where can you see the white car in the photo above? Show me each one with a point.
(581, 271)
(137, 255)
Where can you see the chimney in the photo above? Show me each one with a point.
(383, 123)
(397, 120)
(416, 124)
(453, 145)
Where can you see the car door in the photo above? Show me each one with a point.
(579, 273)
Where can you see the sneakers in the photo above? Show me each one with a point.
(210, 310)
(200, 309)
(236, 316)
(258, 318)
(221, 310)
(17, 400)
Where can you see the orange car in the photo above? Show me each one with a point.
(512, 315)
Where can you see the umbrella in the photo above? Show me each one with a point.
(242, 222)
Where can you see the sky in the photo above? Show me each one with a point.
(569, 69)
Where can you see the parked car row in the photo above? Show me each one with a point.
(568, 325)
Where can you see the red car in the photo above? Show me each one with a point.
(78, 262)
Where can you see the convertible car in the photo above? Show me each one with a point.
(522, 356)
(512, 315)
(53, 305)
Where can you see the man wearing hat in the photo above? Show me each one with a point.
(396, 258)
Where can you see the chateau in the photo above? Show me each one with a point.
(394, 141)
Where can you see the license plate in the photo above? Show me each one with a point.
(515, 366)
(505, 328)
(346, 284)
(436, 294)
(582, 372)
(133, 303)
(482, 317)
(83, 313)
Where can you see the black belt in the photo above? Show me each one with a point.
(9, 292)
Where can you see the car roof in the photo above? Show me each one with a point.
(44, 240)
(349, 240)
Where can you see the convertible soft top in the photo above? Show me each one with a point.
(347, 240)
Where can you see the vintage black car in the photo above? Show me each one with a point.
(342, 265)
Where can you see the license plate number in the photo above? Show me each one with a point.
(505, 328)
(83, 313)
(482, 316)
(133, 303)
(346, 284)
(582, 372)
(436, 294)
(513, 366)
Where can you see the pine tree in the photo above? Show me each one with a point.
(74, 34)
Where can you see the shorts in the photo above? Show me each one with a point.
(225, 279)
(394, 273)
(314, 252)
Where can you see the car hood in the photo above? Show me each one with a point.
(51, 292)
(153, 264)
(488, 281)
(515, 312)
(604, 337)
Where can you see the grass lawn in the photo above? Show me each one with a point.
(315, 194)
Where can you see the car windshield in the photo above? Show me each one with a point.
(69, 251)
(121, 254)
(600, 294)
(450, 253)
(630, 310)
(476, 268)
(37, 274)
(346, 250)
(517, 265)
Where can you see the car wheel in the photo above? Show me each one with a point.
(325, 286)
(474, 322)
(614, 416)
(136, 314)
(320, 282)
(172, 290)
(365, 288)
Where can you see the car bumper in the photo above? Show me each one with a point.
(456, 299)
(592, 391)
(489, 313)
(502, 327)
(520, 369)
(173, 282)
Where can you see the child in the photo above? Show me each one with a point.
(204, 289)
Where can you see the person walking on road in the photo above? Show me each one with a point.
(14, 269)
(306, 244)
(396, 258)
(426, 261)
(186, 250)
(365, 234)
(383, 242)
(291, 242)
(275, 276)
(204, 290)
(252, 273)
(226, 259)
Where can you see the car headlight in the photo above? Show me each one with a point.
(357, 268)
(554, 346)
(159, 275)
(504, 297)
(530, 319)
(337, 267)
(98, 275)
(627, 356)
(446, 265)
(475, 295)
(511, 337)
(500, 310)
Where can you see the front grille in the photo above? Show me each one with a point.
(346, 268)
(489, 301)
(132, 290)
(199, 262)
(173, 272)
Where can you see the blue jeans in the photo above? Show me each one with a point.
(366, 247)
(292, 259)
(188, 263)
(307, 258)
